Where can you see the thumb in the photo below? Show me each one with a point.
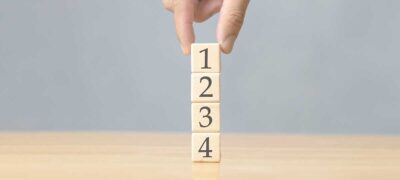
(230, 21)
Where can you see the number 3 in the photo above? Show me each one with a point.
(206, 116)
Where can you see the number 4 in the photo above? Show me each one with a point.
(207, 149)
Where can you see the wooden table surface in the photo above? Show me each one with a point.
(79, 155)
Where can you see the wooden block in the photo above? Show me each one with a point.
(206, 58)
(206, 147)
(205, 87)
(205, 117)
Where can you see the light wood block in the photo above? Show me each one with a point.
(206, 58)
(206, 147)
(205, 87)
(206, 117)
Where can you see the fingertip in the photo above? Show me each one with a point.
(185, 50)
(186, 42)
(227, 44)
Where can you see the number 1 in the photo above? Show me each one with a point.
(205, 58)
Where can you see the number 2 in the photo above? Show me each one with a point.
(206, 116)
(203, 94)
(207, 149)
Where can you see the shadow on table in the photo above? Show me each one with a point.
(205, 171)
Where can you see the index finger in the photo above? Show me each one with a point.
(184, 16)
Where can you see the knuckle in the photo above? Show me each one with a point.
(235, 18)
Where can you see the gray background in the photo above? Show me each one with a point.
(329, 66)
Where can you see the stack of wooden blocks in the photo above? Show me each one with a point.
(205, 97)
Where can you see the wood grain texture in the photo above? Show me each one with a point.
(167, 156)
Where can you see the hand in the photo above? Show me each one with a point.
(232, 13)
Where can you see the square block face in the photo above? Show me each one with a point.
(206, 58)
(206, 147)
(206, 117)
(205, 87)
